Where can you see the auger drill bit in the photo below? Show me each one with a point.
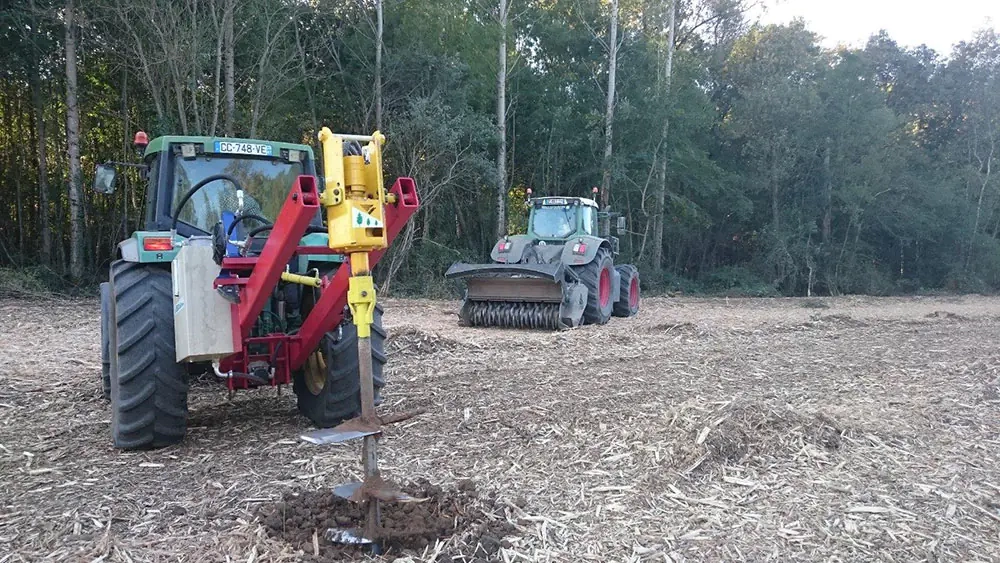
(369, 450)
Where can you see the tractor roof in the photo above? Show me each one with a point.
(228, 145)
(554, 200)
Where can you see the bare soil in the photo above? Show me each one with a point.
(849, 429)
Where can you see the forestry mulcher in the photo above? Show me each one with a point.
(561, 274)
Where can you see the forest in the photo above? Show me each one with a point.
(747, 158)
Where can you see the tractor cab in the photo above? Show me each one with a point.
(561, 218)
(200, 186)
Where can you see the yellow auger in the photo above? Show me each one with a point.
(354, 200)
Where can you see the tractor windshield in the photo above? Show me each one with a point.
(554, 221)
(265, 184)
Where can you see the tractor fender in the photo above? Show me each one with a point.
(129, 250)
(571, 256)
(132, 249)
(513, 254)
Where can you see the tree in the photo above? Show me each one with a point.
(73, 146)
(663, 95)
(378, 64)
(503, 14)
(609, 113)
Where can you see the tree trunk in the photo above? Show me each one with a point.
(227, 20)
(378, 65)
(43, 176)
(828, 195)
(73, 144)
(217, 97)
(661, 193)
(307, 85)
(425, 234)
(38, 104)
(775, 194)
(502, 122)
(979, 207)
(609, 119)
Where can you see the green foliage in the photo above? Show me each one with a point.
(791, 168)
(736, 281)
(26, 282)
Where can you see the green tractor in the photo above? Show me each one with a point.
(561, 274)
(232, 274)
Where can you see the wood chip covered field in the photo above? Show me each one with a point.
(848, 429)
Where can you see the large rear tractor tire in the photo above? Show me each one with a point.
(597, 277)
(328, 387)
(106, 314)
(148, 386)
(628, 294)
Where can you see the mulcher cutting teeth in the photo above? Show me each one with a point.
(512, 315)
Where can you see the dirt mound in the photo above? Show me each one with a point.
(459, 515)
(416, 342)
(752, 433)
(945, 315)
(837, 319)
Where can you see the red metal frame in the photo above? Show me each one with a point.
(287, 353)
(329, 309)
(299, 208)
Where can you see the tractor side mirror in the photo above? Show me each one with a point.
(104, 179)
(620, 226)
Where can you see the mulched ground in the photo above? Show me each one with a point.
(849, 429)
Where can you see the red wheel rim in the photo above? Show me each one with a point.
(604, 288)
(633, 293)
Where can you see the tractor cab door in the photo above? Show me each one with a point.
(588, 220)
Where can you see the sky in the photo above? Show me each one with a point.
(938, 24)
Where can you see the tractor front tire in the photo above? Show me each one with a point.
(148, 387)
(328, 388)
(628, 294)
(597, 277)
(107, 312)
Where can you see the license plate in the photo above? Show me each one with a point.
(255, 149)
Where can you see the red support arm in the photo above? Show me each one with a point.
(329, 309)
(293, 219)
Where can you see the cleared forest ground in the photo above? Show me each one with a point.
(852, 429)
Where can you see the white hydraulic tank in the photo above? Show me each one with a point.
(203, 326)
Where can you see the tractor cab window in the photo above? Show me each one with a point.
(265, 184)
(152, 181)
(588, 219)
(554, 221)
